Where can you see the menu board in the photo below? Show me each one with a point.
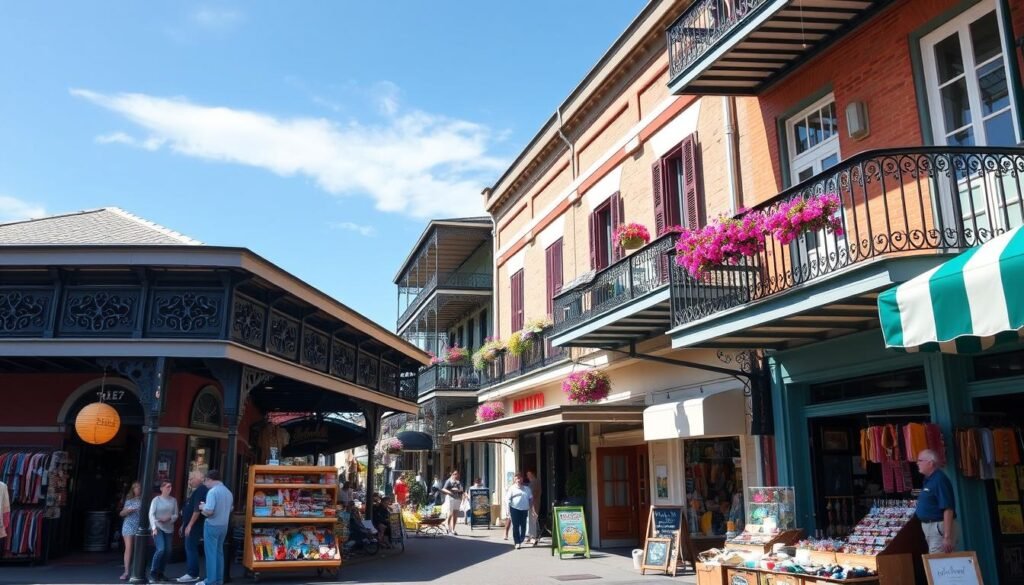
(959, 568)
(569, 532)
(479, 507)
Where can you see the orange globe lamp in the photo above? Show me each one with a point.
(97, 423)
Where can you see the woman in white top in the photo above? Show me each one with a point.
(163, 513)
(520, 500)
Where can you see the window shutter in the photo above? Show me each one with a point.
(517, 301)
(595, 232)
(553, 268)
(693, 203)
(618, 215)
(658, 189)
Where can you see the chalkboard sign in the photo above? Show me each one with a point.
(959, 568)
(479, 508)
(657, 554)
(395, 522)
(569, 531)
(669, 522)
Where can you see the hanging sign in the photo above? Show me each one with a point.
(669, 522)
(569, 531)
(479, 508)
(959, 568)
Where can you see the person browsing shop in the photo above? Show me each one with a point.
(520, 502)
(936, 505)
(192, 521)
(217, 509)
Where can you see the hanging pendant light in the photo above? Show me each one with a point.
(98, 422)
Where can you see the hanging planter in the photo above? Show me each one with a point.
(587, 386)
(805, 214)
(631, 236)
(489, 411)
(488, 353)
(456, 356)
(725, 241)
(389, 446)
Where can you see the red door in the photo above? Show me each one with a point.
(617, 493)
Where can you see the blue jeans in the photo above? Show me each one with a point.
(518, 524)
(163, 551)
(192, 550)
(214, 548)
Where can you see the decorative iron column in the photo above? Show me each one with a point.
(150, 376)
(372, 416)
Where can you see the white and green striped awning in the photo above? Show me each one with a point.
(966, 305)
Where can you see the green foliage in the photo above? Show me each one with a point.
(576, 484)
(417, 493)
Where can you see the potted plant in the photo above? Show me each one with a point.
(724, 241)
(489, 411)
(805, 214)
(631, 236)
(488, 353)
(576, 487)
(587, 386)
(456, 356)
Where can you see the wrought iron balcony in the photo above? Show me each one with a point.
(743, 46)
(896, 203)
(455, 281)
(448, 377)
(634, 277)
(508, 367)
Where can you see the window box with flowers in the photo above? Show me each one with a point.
(631, 236)
(587, 386)
(488, 353)
(805, 214)
(490, 411)
(456, 356)
(726, 241)
(521, 341)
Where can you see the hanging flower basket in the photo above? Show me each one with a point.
(805, 214)
(389, 446)
(456, 356)
(587, 386)
(488, 353)
(434, 360)
(518, 343)
(489, 411)
(725, 241)
(631, 236)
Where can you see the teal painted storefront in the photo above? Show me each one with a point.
(948, 394)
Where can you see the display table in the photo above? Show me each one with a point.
(745, 576)
(290, 519)
(431, 527)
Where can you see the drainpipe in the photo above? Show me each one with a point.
(572, 149)
(732, 144)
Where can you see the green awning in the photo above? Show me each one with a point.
(966, 305)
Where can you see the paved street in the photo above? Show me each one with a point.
(470, 559)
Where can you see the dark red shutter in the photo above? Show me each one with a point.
(658, 189)
(618, 216)
(693, 205)
(553, 269)
(595, 233)
(517, 301)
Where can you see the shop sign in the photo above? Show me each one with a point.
(531, 402)
(570, 532)
(307, 434)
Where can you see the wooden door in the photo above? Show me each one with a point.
(616, 492)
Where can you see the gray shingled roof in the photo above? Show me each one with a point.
(107, 225)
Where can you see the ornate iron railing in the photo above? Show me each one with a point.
(472, 281)
(448, 377)
(895, 202)
(508, 367)
(635, 276)
(702, 26)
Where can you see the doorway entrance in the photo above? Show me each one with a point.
(623, 493)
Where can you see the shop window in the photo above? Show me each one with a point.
(206, 409)
(1000, 365)
(714, 485)
(866, 386)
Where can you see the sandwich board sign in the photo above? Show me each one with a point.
(668, 522)
(569, 532)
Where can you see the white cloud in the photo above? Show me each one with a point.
(216, 19)
(14, 209)
(414, 162)
(363, 230)
(151, 143)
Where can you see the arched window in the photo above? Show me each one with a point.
(206, 409)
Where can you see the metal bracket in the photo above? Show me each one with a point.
(738, 374)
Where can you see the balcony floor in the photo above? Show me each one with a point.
(641, 320)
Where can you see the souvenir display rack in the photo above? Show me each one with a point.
(771, 520)
(290, 519)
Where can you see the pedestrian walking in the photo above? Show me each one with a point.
(532, 521)
(936, 506)
(163, 514)
(130, 513)
(453, 491)
(520, 501)
(192, 522)
(217, 509)
(401, 490)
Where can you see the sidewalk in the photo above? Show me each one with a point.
(478, 557)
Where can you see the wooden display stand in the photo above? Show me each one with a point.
(895, 563)
(785, 537)
(254, 566)
(740, 576)
(714, 574)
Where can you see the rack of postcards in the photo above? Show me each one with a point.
(290, 519)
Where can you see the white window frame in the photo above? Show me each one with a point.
(813, 156)
(961, 25)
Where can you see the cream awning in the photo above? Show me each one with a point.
(718, 414)
(510, 427)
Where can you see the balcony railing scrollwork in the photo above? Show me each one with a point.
(448, 377)
(507, 367)
(704, 24)
(458, 280)
(894, 202)
(635, 276)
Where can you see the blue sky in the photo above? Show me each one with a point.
(321, 135)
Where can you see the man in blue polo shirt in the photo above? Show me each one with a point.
(936, 505)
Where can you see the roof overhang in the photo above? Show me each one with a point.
(211, 257)
(457, 249)
(643, 319)
(510, 427)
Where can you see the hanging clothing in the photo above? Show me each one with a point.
(986, 469)
(1005, 446)
(917, 439)
(5, 510)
